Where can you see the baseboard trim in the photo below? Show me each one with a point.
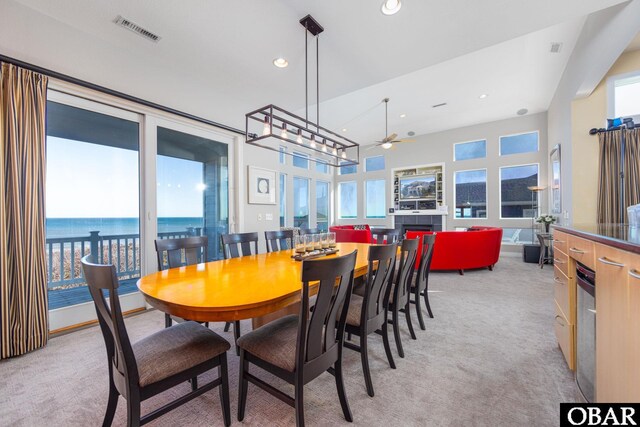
(83, 325)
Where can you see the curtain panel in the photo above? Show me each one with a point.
(23, 274)
(632, 168)
(609, 178)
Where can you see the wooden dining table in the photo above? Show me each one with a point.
(261, 287)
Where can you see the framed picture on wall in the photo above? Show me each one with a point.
(556, 193)
(262, 186)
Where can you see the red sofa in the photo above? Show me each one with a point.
(347, 234)
(478, 247)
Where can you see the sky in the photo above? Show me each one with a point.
(95, 181)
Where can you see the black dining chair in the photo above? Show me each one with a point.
(299, 348)
(368, 314)
(304, 231)
(172, 253)
(399, 297)
(156, 363)
(278, 240)
(420, 286)
(385, 235)
(233, 246)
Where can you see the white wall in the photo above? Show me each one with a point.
(438, 148)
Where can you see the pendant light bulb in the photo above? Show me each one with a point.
(284, 133)
(387, 145)
(335, 151)
(313, 141)
(299, 137)
(324, 145)
(266, 130)
(344, 155)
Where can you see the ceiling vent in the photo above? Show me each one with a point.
(439, 105)
(125, 23)
(555, 47)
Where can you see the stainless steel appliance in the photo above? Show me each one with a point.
(586, 332)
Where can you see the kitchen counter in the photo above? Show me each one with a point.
(619, 236)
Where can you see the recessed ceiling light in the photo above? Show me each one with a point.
(390, 7)
(522, 111)
(280, 62)
(402, 116)
(483, 96)
(411, 133)
(344, 129)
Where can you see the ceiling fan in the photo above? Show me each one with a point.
(389, 140)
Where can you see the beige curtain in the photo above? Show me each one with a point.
(23, 275)
(609, 178)
(632, 168)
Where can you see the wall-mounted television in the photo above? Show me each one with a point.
(418, 187)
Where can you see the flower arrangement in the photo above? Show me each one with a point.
(546, 219)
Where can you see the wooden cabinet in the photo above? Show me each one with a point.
(562, 293)
(559, 241)
(582, 250)
(564, 334)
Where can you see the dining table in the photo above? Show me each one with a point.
(260, 287)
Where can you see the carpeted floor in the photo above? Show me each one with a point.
(488, 358)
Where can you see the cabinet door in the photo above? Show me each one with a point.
(612, 325)
(633, 338)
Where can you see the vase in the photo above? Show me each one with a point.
(546, 227)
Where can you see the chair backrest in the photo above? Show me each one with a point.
(304, 231)
(428, 243)
(408, 252)
(101, 278)
(230, 244)
(385, 235)
(190, 249)
(382, 261)
(321, 331)
(279, 240)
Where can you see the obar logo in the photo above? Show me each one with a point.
(602, 414)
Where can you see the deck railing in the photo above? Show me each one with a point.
(122, 250)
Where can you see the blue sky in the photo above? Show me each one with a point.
(95, 181)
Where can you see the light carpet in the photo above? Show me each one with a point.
(489, 357)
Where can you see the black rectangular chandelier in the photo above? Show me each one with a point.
(266, 126)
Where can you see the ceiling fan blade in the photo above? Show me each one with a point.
(404, 140)
(392, 137)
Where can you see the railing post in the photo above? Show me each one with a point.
(198, 231)
(95, 252)
(190, 231)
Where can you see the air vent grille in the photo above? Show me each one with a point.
(555, 47)
(131, 26)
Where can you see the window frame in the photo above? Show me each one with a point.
(282, 155)
(486, 194)
(384, 199)
(537, 132)
(293, 201)
(469, 142)
(350, 173)
(500, 189)
(339, 203)
(384, 160)
(297, 154)
(283, 198)
(328, 184)
(611, 93)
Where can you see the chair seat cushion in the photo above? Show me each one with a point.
(355, 310)
(274, 342)
(176, 349)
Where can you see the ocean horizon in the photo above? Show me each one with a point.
(80, 227)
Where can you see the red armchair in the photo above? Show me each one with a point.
(347, 234)
(477, 247)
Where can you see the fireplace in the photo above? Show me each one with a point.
(403, 223)
(415, 227)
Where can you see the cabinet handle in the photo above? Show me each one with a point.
(604, 260)
(578, 251)
(634, 274)
(558, 317)
(557, 280)
(559, 261)
(592, 311)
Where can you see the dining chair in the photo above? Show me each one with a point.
(304, 231)
(279, 240)
(399, 296)
(299, 348)
(420, 287)
(368, 314)
(233, 246)
(385, 235)
(172, 253)
(157, 362)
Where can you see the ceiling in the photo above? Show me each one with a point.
(215, 57)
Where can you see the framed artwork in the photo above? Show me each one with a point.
(262, 186)
(556, 193)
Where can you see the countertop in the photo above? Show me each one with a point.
(620, 236)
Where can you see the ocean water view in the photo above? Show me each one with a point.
(80, 227)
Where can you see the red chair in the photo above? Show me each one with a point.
(347, 234)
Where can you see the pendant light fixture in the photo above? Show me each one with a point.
(279, 125)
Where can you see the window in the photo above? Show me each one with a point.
(372, 164)
(322, 167)
(517, 236)
(322, 205)
(283, 155)
(374, 191)
(300, 160)
(347, 170)
(470, 150)
(626, 97)
(348, 193)
(283, 200)
(516, 200)
(300, 202)
(517, 144)
(471, 193)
